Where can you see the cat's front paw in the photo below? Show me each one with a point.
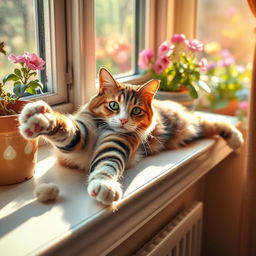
(235, 140)
(105, 191)
(35, 119)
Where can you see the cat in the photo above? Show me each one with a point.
(122, 124)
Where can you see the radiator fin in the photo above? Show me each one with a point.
(181, 237)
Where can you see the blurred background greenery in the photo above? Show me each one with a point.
(17, 30)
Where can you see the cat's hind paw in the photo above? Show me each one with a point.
(235, 140)
(36, 118)
(105, 191)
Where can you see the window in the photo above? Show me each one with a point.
(118, 35)
(37, 26)
(226, 28)
(17, 30)
(229, 26)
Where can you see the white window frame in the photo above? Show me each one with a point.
(55, 55)
(163, 18)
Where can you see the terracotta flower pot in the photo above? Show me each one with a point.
(182, 97)
(229, 110)
(17, 155)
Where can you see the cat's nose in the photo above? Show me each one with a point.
(123, 121)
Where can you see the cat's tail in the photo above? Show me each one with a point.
(227, 131)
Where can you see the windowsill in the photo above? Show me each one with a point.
(29, 227)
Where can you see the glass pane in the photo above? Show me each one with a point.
(115, 35)
(229, 24)
(227, 29)
(17, 30)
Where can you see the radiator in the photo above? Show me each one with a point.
(181, 237)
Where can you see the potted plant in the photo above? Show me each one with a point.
(229, 83)
(177, 65)
(17, 155)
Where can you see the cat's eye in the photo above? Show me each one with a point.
(114, 105)
(136, 111)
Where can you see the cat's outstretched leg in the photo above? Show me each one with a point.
(228, 132)
(38, 118)
(107, 167)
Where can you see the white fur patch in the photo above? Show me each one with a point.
(36, 118)
(46, 192)
(105, 191)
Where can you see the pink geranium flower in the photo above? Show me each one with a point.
(203, 64)
(226, 62)
(159, 66)
(195, 45)
(31, 60)
(34, 62)
(145, 57)
(17, 59)
(165, 49)
(178, 38)
(244, 105)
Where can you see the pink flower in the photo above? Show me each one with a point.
(31, 60)
(145, 57)
(165, 49)
(226, 62)
(34, 62)
(165, 61)
(244, 105)
(17, 59)
(203, 64)
(159, 66)
(225, 53)
(211, 65)
(195, 45)
(178, 38)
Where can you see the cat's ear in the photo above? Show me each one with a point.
(107, 81)
(150, 88)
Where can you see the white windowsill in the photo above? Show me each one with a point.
(77, 223)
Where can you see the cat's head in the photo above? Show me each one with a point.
(124, 107)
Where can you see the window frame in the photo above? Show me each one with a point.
(161, 21)
(55, 53)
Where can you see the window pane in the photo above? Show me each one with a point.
(115, 35)
(226, 28)
(228, 23)
(17, 30)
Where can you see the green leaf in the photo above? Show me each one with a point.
(220, 104)
(19, 89)
(192, 91)
(15, 83)
(10, 77)
(31, 90)
(17, 72)
(33, 74)
(176, 81)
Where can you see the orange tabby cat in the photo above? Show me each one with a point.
(117, 128)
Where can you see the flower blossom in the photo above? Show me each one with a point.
(145, 57)
(195, 45)
(226, 62)
(203, 64)
(178, 38)
(17, 59)
(165, 49)
(159, 66)
(244, 105)
(31, 60)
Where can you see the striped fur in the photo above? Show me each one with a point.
(105, 138)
